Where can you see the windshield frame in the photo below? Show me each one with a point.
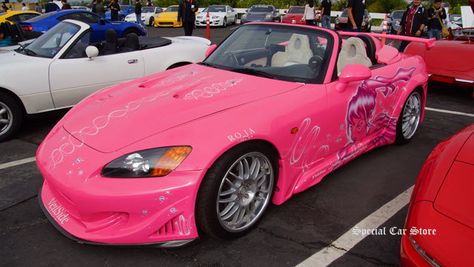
(51, 32)
(172, 7)
(324, 67)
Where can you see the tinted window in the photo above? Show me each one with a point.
(296, 10)
(78, 50)
(261, 9)
(44, 16)
(397, 15)
(172, 9)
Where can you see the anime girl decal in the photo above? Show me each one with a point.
(361, 120)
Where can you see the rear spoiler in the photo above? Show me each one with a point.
(429, 43)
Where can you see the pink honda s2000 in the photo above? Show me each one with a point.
(208, 146)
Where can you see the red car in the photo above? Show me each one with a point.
(294, 15)
(450, 61)
(440, 221)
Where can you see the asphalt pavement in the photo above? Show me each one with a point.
(287, 235)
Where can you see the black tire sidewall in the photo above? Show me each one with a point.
(17, 113)
(206, 213)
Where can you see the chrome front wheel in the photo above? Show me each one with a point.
(244, 192)
(410, 117)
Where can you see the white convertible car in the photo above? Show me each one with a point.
(62, 67)
(148, 15)
(219, 15)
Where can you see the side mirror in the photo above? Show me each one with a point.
(210, 50)
(352, 73)
(102, 21)
(92, 51)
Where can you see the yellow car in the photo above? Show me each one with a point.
(168, 18)
(17, 16)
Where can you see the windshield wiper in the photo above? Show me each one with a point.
(207, 64)
(29, 52)
(253, 72)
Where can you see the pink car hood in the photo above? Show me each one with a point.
(118, 116)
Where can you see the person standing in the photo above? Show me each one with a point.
(99, 8)
(186, 13)
(435, 15)
(326, 14)
(50, 7)
(24, 7)
(308, 14)
(355, 13)
(413, 22)
(38, 8)
(66, 5)
(138, 12)
(114, 10)
(149, 3)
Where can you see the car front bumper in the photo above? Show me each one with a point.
(212, 22)
(93, 209)
(167, 23)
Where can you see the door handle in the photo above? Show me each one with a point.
(132, 61)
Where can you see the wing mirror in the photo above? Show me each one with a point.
(210, 50)
(92, 51)
(102, 21)
(352, 73)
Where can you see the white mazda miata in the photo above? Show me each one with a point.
(63, 66)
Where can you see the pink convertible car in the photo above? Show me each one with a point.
(206, 147)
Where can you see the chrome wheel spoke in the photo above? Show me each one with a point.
(228, 200)
(231, 213)
(4, 121)
(227, 209)
(3, 111)
(228, 192)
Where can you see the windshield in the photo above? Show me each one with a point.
(215, 9)
(40, 17)
(296, 10)
(148, 9)
(397, 15)
(172, 9)
(51, 42)
(277, 52)
(261, 9)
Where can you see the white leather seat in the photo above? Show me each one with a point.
(352, 52)
(298, 51)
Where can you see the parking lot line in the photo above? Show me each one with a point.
(350, 238)
(450, 112)
(16, 163)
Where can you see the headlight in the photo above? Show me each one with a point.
(157, 162)
(268, 16)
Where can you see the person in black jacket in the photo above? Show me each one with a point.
(138, 12)
(114, 10)
(50, 7)
(435, 16)
(413, 22)
(186, 13)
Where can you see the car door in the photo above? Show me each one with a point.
(73, 76)
(230, 15)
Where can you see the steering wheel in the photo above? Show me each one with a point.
(315, 62)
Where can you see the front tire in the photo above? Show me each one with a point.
(236, 191)
(11, 117)
(409, 118)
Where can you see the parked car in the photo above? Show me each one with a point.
(125, 10)
(208, 146)
(168, 18)
(60, 75)
(440, 220)
(394, 20)
(148, 15)
(294, 15)
(261, 13)
(219, 15)
(341, 22)
(456, 19)
(450, 61)
(36, 26)
(13, 17)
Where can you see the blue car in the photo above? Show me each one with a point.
(34, 27)
(124, 11)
